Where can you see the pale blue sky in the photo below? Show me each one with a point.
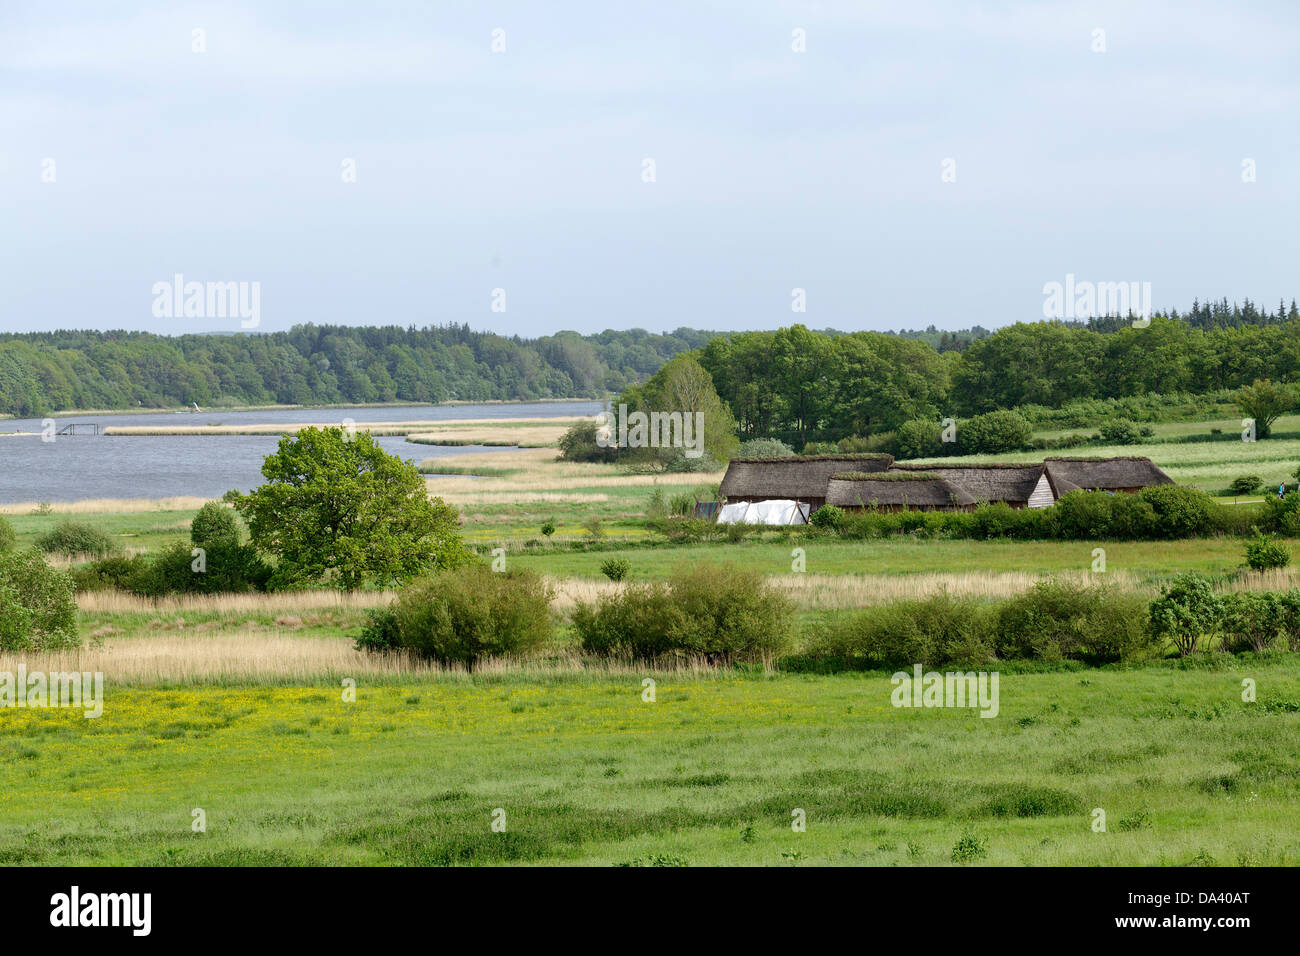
(523, 169)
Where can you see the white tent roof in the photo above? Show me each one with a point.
(774, 511)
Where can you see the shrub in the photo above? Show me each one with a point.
(1289, 617)
(993, 433)
(37, 610)
(828, 518)
(918, 438)
(970, 847)
(719, 612)
(580, 443)
(616, 569)
(548, 527)
(115, 571)
(639, 622)
(682, 505)
(1265, 552)
(1251, 621)
(7, 537)
(657, 505)
(930, 631)
(764, 448)
(1132, 517)
(222, 567)
(1120, 431)
(1280, 515)
(993, 521)
(214, 523)
(1083, 515)
(1245, 484)
(75, 538)
(464, 615)
(1180, 511)
(1185, 612)
(1057, 620)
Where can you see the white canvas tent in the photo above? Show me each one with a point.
(773, 511)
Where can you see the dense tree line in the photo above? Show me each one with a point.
(795, 384)
(309, 364)
(799, 385)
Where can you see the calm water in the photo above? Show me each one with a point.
(147, 466)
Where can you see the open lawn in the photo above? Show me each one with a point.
(712, 772)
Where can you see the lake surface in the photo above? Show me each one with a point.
(71, 468)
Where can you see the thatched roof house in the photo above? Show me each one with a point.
(1103, 474)
(1019, 485)
(896, 491)
(854, 481)
(799, 478)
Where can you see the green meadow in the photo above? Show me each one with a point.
(233, 706)
(581, 770)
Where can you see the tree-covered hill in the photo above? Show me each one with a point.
(48, 371)
(795, 383)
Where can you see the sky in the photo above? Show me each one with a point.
(618, 165)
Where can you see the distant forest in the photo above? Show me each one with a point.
(319, 365)
(793, 381)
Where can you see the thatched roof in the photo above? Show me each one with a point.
(796, 477)
(1105, 474)
(1000, 481)
(913, 490)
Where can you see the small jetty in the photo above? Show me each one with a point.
(79, 428)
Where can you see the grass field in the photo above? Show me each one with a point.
(1209, 465)
(710, 773)
(233, 705)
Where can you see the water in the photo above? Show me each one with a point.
(71, 468)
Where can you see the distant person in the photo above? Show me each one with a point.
(1281, 490)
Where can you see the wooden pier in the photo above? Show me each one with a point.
(79, 428)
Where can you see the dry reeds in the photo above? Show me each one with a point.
(836, 592)
(109, 505)
(537, 471)
(470, 429)
(261, 657)
(120, 602)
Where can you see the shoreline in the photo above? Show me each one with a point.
(217, 409)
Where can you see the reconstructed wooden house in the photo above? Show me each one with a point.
(878, 482)
(800, 478)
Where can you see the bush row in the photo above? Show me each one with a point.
(213, 562)
(1158, 512)
(727, 614)
(1052, 621)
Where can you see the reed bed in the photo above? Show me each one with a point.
(260, 657)
(498, 429)
(108, 505)
(838, 592)
(538, 469)
(120, 602)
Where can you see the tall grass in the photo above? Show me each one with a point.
(108, 505)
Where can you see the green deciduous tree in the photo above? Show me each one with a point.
(1264, 402)
(337, 508)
